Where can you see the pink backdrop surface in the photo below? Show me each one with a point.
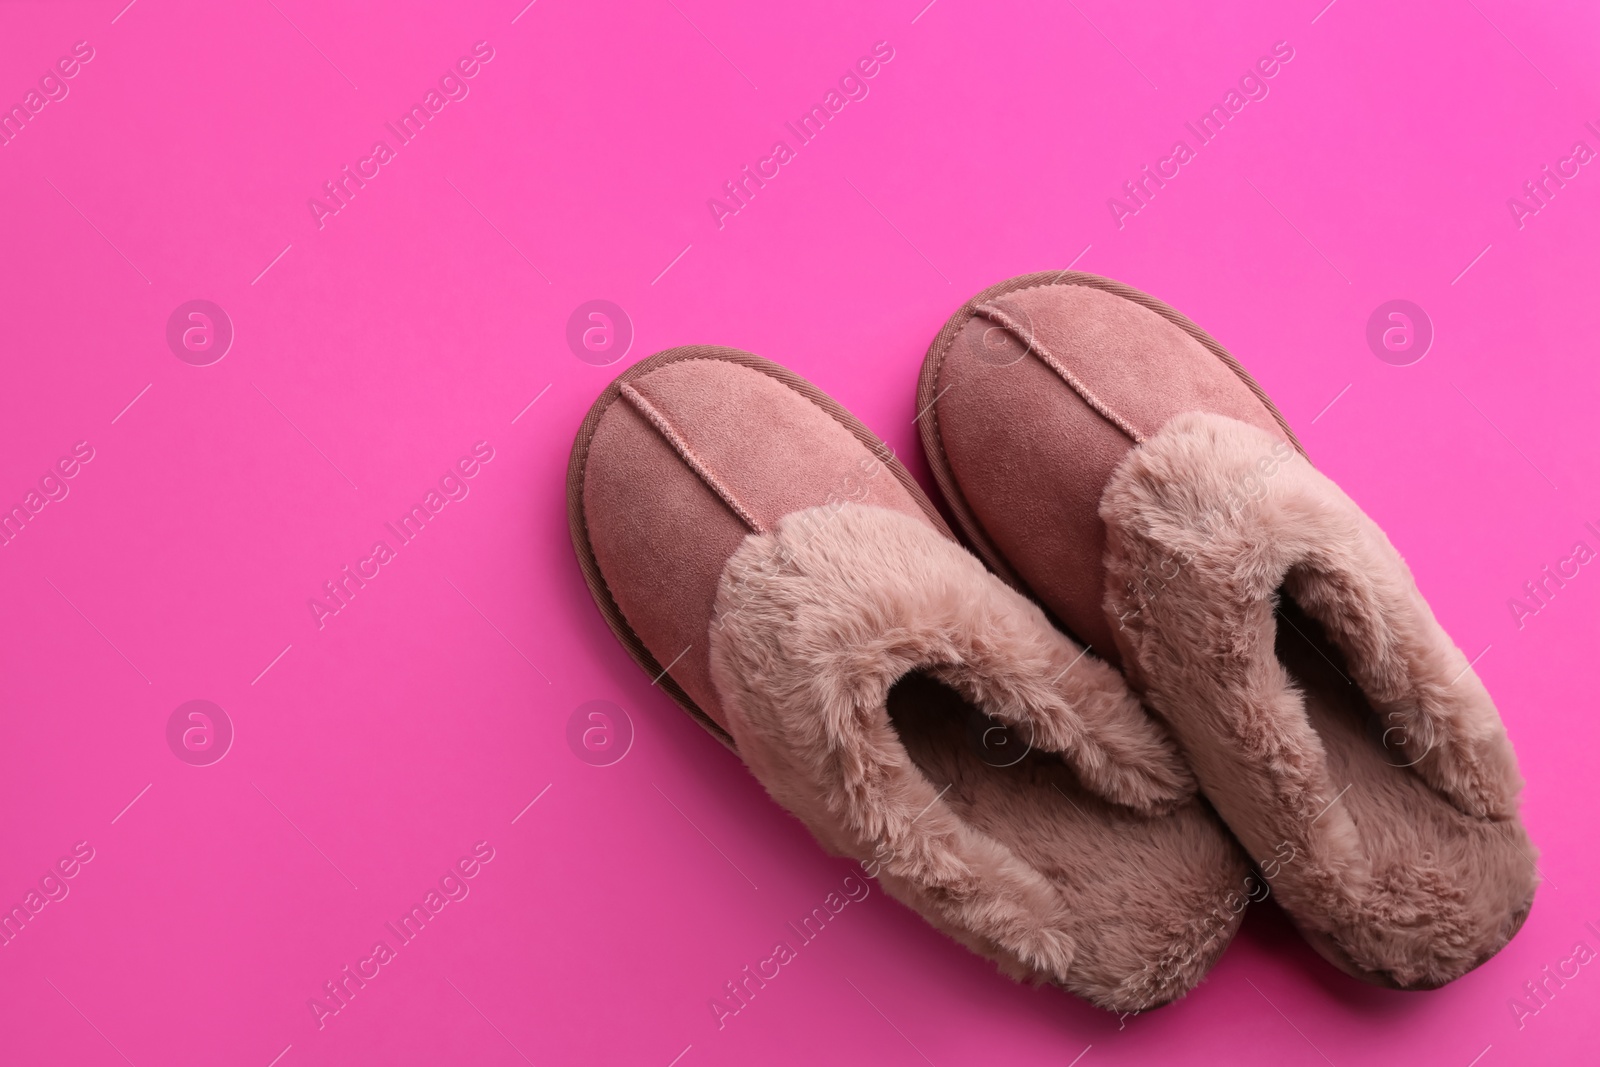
(421, 318)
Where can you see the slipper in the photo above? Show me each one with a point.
(767, 561)
(1111, 460)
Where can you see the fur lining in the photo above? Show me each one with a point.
(816, 620)
(1205, 523)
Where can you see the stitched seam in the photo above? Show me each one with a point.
(688, 455)
(1204, 339)
(618, 623)
(995, 313)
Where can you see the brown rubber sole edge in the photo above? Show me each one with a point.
(928, 383)
(578, 526)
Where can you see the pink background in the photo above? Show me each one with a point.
(429, 312)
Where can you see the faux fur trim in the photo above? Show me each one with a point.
(1205, 523)
(816, 620)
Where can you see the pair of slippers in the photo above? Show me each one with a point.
(1258, 699)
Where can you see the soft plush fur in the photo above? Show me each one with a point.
(1355, 745)
(1089, 863)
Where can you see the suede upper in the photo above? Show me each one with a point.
(1026, 449)
(662, 535)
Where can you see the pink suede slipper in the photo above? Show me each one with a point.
(767, 561)
(1112, 460)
